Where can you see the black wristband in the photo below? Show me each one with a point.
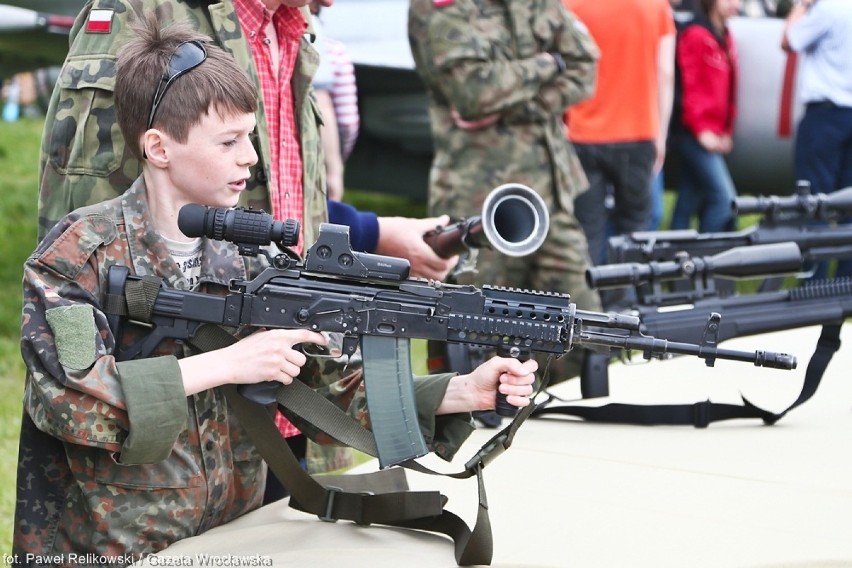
(560, 61)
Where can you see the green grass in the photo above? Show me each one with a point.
(19, 150)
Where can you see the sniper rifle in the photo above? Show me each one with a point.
(818, 224)
(827, 303)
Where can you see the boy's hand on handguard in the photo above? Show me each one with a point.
(478, 390)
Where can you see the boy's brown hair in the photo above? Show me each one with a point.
(217, 83)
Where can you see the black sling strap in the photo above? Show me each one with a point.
(700, 414)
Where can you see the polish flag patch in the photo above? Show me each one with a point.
(99, 22)
(442, 3)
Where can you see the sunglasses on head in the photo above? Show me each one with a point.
(187, 56)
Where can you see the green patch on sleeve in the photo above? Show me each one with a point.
(74, 333)
(156, 408)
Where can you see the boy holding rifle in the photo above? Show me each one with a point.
(126, 457)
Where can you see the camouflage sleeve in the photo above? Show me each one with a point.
(83, 156)
(574, 42)
(463, 71)
(75, 390)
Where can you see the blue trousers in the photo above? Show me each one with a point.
(658, 189)
(704, 188)
(824, 157)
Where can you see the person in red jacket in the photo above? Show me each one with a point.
(707, 67)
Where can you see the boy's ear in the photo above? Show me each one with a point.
(154, 147)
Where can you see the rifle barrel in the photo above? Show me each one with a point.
(653, 347)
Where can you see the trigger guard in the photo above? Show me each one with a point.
(315, 350)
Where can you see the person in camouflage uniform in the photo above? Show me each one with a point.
(123, 458)
(500, 74)
(84, 158)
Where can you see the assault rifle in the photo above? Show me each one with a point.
(371, 301)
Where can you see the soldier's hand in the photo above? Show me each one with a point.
(477, 124)
(403, 237)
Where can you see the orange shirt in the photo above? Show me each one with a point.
(628, 33)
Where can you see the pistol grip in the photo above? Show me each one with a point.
(503, 408)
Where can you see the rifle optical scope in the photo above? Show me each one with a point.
(241, 226)
(758, 261)
(817, 206)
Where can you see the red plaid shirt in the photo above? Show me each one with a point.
(285, 160)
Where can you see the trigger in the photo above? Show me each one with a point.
(315, 350)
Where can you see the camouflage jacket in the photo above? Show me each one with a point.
(479, 58)
(84, 159)
(114, 457)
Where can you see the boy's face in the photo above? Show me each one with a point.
(212, 167)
